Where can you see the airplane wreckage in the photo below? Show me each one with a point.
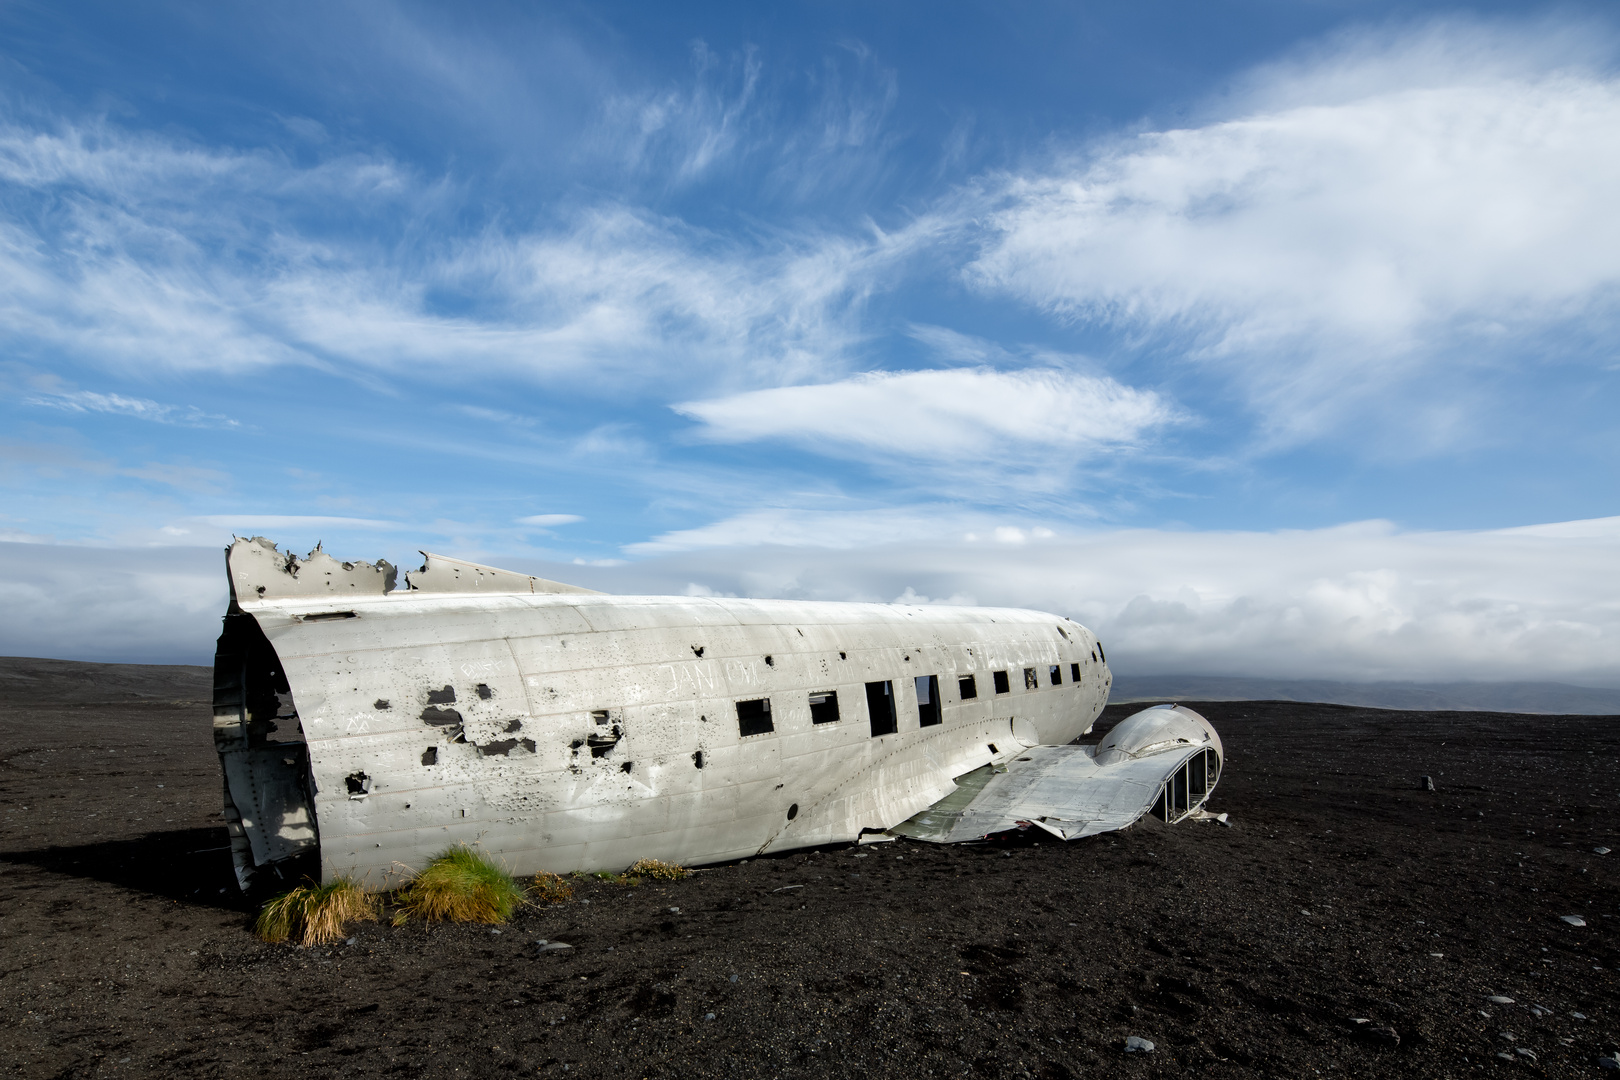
(561, 729)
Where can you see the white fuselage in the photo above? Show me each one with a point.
(568, 732)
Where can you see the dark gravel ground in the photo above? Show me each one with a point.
(1341, 892)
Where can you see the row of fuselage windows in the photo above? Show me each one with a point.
(754, 717)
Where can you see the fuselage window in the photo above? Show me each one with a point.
(1030, 682)
(754, 717)
(927, 700)
(880, 707)
(966, 688)
(824, 707)
(1002, 686)
(1074, 673)
(1055, 674)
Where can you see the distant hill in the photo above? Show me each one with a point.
(1514, 697)
(27, 679)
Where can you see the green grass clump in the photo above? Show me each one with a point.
(658, 870)
(549, 888)
(460, 886)
(615, 879)
(315, 914)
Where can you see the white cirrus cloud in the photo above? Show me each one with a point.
(1376, 212)
(547, 520)
(839, 530)
(137, 251)
(950, 415)
(87, 401)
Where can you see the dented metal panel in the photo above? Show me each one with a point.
(563, 729)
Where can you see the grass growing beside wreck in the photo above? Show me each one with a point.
(657, 869)
(315, 914)
(548, 888)
(460, 885)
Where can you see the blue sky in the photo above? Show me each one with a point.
(1315, 302)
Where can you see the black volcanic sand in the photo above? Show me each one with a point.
(1340, 892)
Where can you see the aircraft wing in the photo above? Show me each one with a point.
(1075, 791)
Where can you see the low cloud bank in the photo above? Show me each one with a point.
(1356, 602)
(157, 605)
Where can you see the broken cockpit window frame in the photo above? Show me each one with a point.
(754, 717)
(1030, 681)
(880, 708)
(1074, 673)
(1054, 674)
(966, 688)
(1003, 686)
(824, 707)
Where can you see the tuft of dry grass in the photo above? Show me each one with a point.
(315, 914)
(548, 888)
(658, 870)
(460, 886)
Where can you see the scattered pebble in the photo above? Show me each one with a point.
(1608, 1063)
(555, 946)
(1134, 1045)
(1524, 1051)
(673, 910)
(1437, 955)
(1498, 999)
(352, 941)
(1600, 851)
(734, 978)
(1578, 1016)
(708, 1016)
(1426, 783)
(1574, 920)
